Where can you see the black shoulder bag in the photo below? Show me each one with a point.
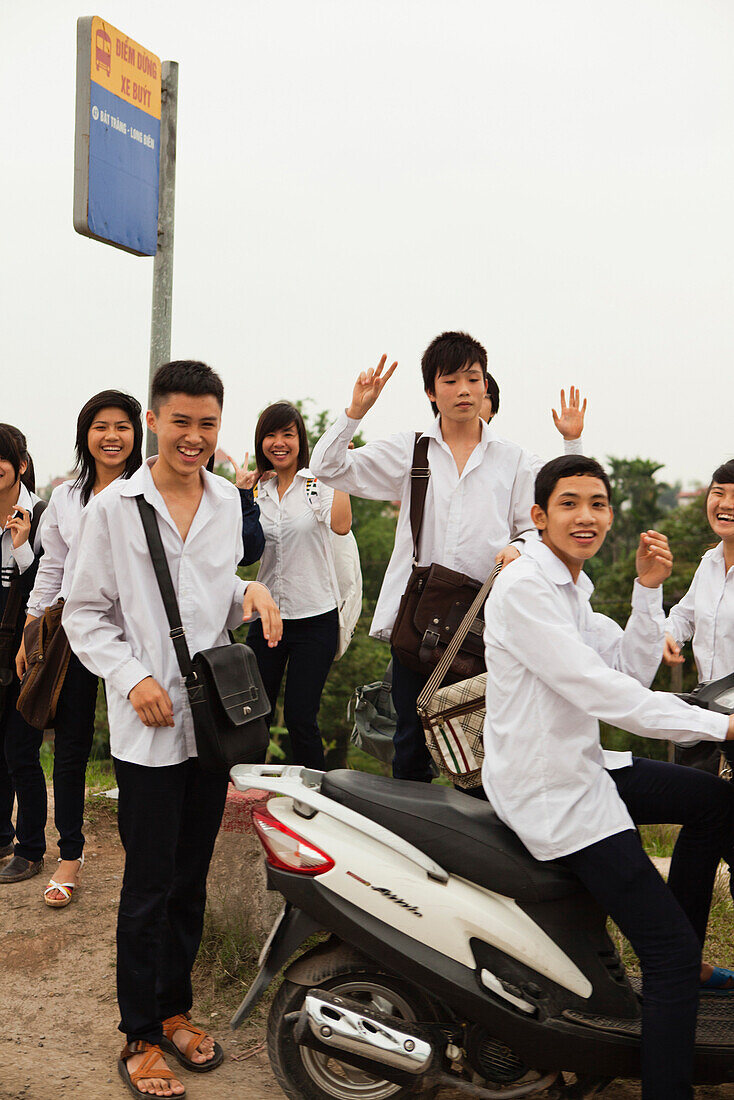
(228, 701)
(10, 626)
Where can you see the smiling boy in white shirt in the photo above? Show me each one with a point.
(169, 809)
(554, 669)
(479, 496)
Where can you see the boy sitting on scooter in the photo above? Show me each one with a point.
(554, 669)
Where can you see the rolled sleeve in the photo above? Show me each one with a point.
(234, 619)
(23, 556)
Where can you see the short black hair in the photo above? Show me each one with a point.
(14, 449)
(724, 474)
(274, 419)
(447, 353)
(493, 393)
(567, 466)
(187, 376)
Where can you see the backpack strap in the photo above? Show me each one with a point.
(420, 473)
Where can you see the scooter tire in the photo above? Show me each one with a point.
(306, 1075)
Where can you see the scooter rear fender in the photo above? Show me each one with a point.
(291, 930)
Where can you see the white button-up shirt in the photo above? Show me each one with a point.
(468, 517)
(294, 563)
(554, 669)
(59, 531)
(23, 556)
(706, 614)
(114, 615)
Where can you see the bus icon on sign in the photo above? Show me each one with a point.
(103, 51)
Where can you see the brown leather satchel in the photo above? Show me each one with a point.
(47, 657)
(435, 600)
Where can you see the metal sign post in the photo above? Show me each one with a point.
(160, 325)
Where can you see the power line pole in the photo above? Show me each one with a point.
(160, 325)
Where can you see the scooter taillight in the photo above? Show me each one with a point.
(288, 850)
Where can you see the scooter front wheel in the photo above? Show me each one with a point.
(305, 1074)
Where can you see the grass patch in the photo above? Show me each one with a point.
(658, 841)
(227, 962)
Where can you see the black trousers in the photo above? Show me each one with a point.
(666, 925)
(73, 735)
(21, 777)
(21, 773)
(412, 759)
(307, 647)
(168, 820)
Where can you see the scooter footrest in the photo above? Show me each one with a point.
(715, 1024)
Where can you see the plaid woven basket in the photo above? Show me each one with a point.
(453, 716)
(454, 726)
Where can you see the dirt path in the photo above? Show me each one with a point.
(58, 1015)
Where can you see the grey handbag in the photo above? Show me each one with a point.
(374, 718)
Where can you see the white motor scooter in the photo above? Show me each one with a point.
(454, 959)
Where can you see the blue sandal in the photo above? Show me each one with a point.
(717, 983)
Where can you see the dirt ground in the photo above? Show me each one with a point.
(58, 1015)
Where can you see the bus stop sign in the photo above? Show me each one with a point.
(117, 139)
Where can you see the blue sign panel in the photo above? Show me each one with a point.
(117, 138)
(124, 153)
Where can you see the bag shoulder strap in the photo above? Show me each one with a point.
(177, 633)
(420, 473)
(15, 599)
(455, 644)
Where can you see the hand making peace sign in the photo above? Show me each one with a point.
(244, 478)
(368, 388)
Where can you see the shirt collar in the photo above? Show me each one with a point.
(141, 482)
(270, 487)
(26, 499)
(553, 567)
(434, 432)
(717, 554)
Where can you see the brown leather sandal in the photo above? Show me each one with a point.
(182, 1023)
(147, 1069)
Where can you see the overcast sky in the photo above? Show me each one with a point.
(556, 178)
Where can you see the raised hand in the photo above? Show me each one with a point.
(654, 559)
(259, 601)
(671, 651)
(570, 423)
(244, 478)
(19, 526)
(368, 388)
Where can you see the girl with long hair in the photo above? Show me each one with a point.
(109, 439)
(295, 515)
(21, 775)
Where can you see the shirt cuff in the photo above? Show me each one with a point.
(647, 599)
(128, 676)
(347, 426)
(24, 556)
(573, 446)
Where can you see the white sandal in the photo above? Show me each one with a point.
(66, 888)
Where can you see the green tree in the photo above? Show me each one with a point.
(690, 536)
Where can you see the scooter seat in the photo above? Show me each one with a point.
(462, 834)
